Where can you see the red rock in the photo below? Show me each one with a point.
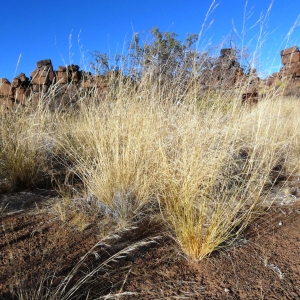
(295, 68)
(21, 95)
(35, 88)
(289, 50)
(42, 75)
(61, 69)
(76, 76)
(22, 77)
(62, 77)
(227, 51)
(44, 62)
(290, 58)
(51, 77)
(73, 68)
(38, 79)
(45, 88)
(99, 79)
(102, 89)
(5, 87)
(16, 82)
(44, 72)
(4, 80)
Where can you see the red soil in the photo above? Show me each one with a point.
(263, 264)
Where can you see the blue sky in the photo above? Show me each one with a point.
(67, 31)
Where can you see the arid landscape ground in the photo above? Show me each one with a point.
(263, 263)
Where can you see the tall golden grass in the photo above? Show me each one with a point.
(200, 159)
(26, 145)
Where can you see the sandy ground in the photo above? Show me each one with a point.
(264, 263)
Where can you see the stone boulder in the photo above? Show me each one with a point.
(5, 93)
(62, 75)
(75, 73)
(227, 59)
(290, 55)
(290, 58)
(20, 89)
(5, 87)
(225, 72)
(15, 92)
(43, 75)
(72, 84)
(250, 96)
(289, 74)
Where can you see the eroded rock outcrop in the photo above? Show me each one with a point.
(288, 77)
(15, 92)
(43, 76)
(69, 79)
(225, 72)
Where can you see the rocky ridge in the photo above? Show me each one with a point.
(226, 72)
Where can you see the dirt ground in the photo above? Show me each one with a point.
(35, 244)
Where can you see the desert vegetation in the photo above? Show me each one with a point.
(158, 148)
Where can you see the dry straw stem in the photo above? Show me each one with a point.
(26, 145)
(70, 288)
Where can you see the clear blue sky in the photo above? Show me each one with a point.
(40, 29)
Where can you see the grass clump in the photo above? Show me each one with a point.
(207, 171)
(26, 145)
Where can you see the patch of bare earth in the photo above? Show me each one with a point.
(264, 263)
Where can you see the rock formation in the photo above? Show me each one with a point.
(288, 76)
(225, 72)
(290, 58)
(69, 79)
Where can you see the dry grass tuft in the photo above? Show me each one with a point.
(207, 169)
(26, 145)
